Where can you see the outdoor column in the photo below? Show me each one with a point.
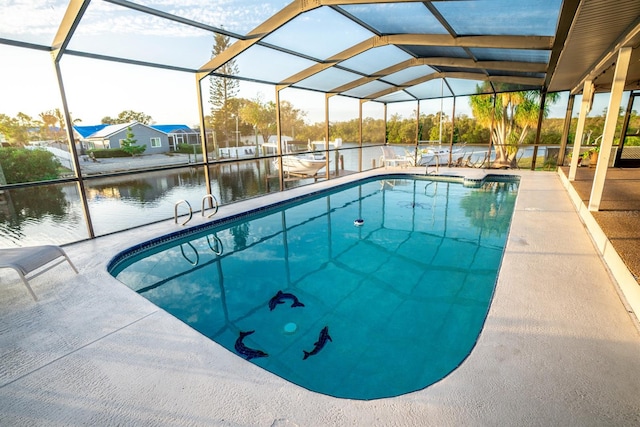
(203, 138)
(543, 99)
(417, 147)
(585, 107)
(565, 130)
(74, 13)
(360, 135)
(385, 124)
(619, 78)
(326, 134)
(279, 139)
(493, 116)
(453, 131)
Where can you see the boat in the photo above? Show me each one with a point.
(431, 156)
(301, 164)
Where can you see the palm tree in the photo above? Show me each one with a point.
(49, 120)
(514, 115)
(61, 123)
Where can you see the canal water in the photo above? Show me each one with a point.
(53, 214)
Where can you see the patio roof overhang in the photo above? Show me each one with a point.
(386, 50)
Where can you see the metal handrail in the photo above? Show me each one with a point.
(437, 158)
(194, 263)
(175, 211)
(214, 202)
(218, 249)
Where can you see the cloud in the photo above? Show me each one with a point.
(26, 20)
(26, 17)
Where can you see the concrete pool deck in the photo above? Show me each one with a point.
(559, 346)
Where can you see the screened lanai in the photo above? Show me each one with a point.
(256, 82)
(220, 96)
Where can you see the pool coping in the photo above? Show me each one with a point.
(92, 351)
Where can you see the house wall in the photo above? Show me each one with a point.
(142, 135)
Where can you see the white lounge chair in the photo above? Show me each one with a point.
(391, 158)
(32, 259)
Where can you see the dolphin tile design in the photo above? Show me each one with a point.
(280, 297)
(319, 345)
(246, 352)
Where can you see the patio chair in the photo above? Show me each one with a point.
(391, 158)
(481, 162)
(32, 259)
(478, 163)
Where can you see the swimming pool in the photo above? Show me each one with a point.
(354, 309)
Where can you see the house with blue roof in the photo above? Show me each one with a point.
(156, 138)
(111, 136)
(86, 131)
(179, 134)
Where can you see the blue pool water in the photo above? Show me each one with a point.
(354, 310)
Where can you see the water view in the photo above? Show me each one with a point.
(53, 213)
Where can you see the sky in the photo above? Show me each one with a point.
(97, 88)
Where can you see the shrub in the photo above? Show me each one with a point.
(22, 165)
(188, 148)
(105, 153)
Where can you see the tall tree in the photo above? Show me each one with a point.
(514, 115)
(128, 116)
(13, 130)
(291, 118)
(59, 119)
(261, 115)
(49, 121)
(223, 89)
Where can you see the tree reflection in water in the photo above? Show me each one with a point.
(490, 214)
(40, 215)
(33, 203)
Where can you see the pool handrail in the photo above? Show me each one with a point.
(175, 211)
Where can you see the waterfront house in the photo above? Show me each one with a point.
(111, 136)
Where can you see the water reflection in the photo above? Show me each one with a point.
(118, 203)
(53, 213)
(490, 208)
(144, 190)
(241, 180)
(37, 215)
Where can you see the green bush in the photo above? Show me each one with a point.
(105, 153)
(22, 165)
(188, 148)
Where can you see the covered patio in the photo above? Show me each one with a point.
(619, 213)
